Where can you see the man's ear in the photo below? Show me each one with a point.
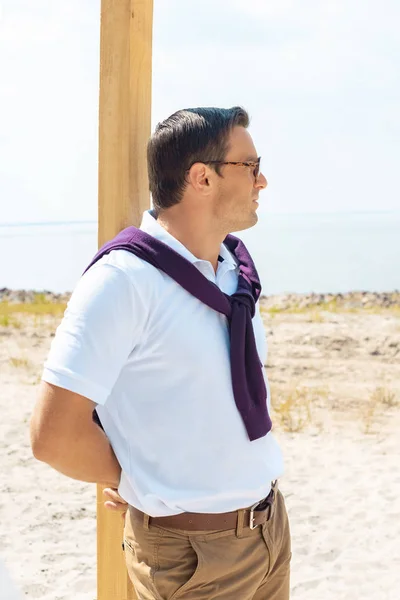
(198, 177)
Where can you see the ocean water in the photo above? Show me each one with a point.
(294, 253)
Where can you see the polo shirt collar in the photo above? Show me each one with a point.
(151, 226)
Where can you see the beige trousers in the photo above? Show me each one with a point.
(238, 564)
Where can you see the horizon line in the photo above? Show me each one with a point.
(95, 221)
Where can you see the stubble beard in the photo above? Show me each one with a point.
(244, 217)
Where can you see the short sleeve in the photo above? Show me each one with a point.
(101, 326)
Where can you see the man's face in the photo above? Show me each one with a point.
(238, 189)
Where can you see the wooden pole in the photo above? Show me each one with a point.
(124, 128)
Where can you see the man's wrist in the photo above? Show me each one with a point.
(113, 483)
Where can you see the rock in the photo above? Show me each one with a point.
(350, 300)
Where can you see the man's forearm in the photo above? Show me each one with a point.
(88, 456)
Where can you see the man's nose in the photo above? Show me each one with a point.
(261, 181)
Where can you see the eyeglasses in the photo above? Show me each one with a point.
(255, 165)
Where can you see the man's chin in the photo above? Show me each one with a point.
(248, 224)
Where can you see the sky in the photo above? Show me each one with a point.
(319, 79)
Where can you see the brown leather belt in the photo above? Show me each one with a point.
(253, 516)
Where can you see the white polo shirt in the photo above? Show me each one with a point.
(156, 362)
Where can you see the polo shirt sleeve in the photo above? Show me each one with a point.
(101, 326)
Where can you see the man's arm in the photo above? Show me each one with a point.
(64, 436)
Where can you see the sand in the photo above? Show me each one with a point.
(336, 390)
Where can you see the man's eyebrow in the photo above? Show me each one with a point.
(251, 158)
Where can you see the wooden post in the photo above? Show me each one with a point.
(124, 128)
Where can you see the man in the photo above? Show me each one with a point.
(8, 590)
(163, 337)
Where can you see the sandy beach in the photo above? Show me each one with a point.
(334, 368)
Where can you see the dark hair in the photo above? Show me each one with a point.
(188, 136)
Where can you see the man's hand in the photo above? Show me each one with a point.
(115, 502)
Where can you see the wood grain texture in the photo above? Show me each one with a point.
(124, 113)
(124, 128)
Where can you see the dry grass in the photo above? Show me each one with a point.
(7, 320)
(20, 363)
(16, 315)
(385, 396)
(333, 306)
(294, 408)
(315, 316)
(380, 399)
(39, 307)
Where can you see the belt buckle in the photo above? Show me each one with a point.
(252, 518)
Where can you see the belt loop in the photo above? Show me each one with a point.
(146, 520)
(274, 500)
(275, 489)
(239, 523)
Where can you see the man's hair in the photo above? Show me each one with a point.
(188, 136)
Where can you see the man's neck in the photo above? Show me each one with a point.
(199, 239)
